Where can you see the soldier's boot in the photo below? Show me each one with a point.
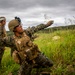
(25, 69)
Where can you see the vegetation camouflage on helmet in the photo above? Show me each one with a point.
(12, 24)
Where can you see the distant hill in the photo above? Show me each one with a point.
(65, 27)
(59, 28)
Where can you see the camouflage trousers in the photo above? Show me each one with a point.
(25, 69)
(41, 61)
(1, 53)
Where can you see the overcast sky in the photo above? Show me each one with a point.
(34, 12)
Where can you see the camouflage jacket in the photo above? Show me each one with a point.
(31, 30)
(2, 31)
(23, 44)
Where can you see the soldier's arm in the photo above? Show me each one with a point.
(33, 29)
(5, 34)
(7, 41)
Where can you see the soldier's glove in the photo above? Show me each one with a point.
(49, 23)
(18, 19)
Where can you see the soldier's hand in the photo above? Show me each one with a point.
(49, 23)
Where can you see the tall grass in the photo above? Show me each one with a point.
(8, 65)
(60, 50)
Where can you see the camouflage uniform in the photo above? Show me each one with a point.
(2, 34)
(26, 51)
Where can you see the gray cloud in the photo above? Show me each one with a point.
(21, 4)
(35, 11)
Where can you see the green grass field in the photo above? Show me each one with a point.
(59, 46)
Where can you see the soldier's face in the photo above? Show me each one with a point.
(19, 29)
(4, 22)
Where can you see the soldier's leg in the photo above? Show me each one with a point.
(25, 69)
(1, 54)
(43, 61)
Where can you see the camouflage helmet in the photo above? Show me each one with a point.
(12, 24)
(2, 18)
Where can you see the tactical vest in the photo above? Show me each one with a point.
(25, 47)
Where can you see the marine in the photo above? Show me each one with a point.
(25, 51)
(2, 34)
